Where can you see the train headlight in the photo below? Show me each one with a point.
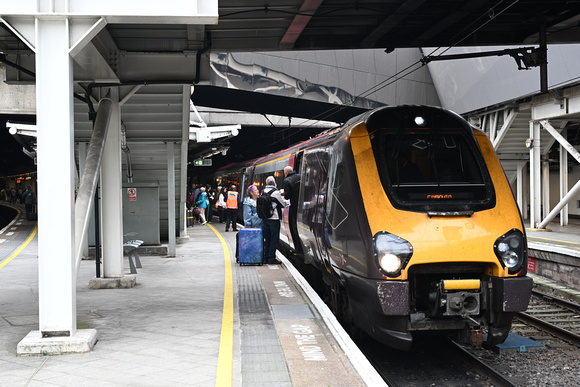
(391, 253)
(511, 250)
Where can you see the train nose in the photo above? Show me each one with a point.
(455, 298)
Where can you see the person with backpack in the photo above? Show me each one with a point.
(270, 203)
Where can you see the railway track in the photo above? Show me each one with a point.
(435, 361)
(439, 362)
(559, 318)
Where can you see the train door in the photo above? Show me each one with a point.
(312, 214)
(243, 186)
(336, 209)
(291, 213)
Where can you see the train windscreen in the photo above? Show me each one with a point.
(433, 170)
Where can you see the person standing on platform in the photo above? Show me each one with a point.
(212, 198)
(271, 226)
(232, 203)
(191, 197)
(221, 203)
(251, 218)
(29, 199)
(202, 204)
(291, 191)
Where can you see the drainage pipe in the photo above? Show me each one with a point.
(127, 152)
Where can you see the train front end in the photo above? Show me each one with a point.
(448, 248)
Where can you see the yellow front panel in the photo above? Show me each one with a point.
(437, 239)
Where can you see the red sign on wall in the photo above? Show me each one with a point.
(531, 265)
(132, 192)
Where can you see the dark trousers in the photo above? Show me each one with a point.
(209, 213)
(271, 231)
(232, 216)
(292, 215)
(29, 209)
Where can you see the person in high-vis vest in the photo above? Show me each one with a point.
(232, 200)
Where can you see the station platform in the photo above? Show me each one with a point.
(196, 319)
(556, 238)
(554, 259)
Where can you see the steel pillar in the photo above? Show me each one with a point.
(520, 188)
(171, 198)
(89, 182)
(82, 158)
(111, 199)
(535, 178)
(563, 184)
(184, 155)
(545, 187)
(54, 102)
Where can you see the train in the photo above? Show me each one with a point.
(405, 225)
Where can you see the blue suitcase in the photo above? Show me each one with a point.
(250, 246)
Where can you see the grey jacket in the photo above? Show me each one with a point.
(276, 198)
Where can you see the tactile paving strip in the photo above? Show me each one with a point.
(263, 362)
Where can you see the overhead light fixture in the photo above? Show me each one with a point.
(529, 143)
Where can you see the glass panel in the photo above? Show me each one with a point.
(432, 170)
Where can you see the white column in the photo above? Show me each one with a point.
(82, 159)
(526, 196)
(520, 187)
(563, 184)
(186, 99)
(54, 104)
(111, 199)
(545, 188)
(171, 198)
(183, 186)
(535, 180)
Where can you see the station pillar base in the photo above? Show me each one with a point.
(127, 281)
(35, 345)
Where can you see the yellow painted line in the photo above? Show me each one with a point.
(552, 240)
(225, 358)
(19, 250)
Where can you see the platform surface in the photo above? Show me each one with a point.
(169, 329)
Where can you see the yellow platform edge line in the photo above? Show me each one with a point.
(19, 249)
(225, 357)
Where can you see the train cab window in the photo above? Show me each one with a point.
(433, 170)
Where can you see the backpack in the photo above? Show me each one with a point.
(264, 204)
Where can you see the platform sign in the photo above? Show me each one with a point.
(202, 163)
(531, 265)
(132, 193)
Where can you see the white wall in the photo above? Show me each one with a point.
(465, 85)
